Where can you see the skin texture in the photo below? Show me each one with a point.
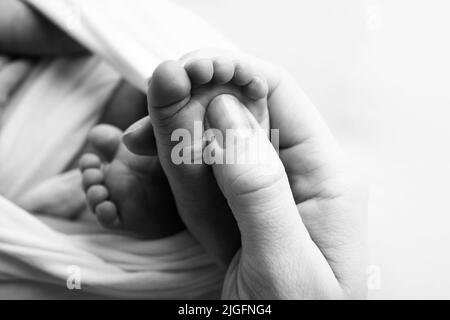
(128, 191)
(302, 219)
(125, 191)
(176, 100)
(320, 255)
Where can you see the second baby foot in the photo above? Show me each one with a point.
(125, 191)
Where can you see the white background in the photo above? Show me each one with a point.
(379, 72)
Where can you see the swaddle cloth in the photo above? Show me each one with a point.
(44, 127)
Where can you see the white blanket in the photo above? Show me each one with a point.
(43, 129)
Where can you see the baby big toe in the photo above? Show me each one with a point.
(168, 93)
(169, 84)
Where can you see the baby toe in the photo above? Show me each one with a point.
(92, 177)
(243, 74)
(105, 139)
(169, 84)
(96, 195)
(107, 214)
(257, 88)
(223, 70)
(200, 71)
(89, 161)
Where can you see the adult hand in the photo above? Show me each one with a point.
(308, 250)
(301, 214)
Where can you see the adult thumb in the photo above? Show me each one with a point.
(252, 177)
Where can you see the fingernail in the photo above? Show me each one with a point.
(134, 127)
(226, 112)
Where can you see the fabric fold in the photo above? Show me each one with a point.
(44, 127)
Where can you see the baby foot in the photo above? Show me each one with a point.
(125, 191)
(179, 95)
(185, 91)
